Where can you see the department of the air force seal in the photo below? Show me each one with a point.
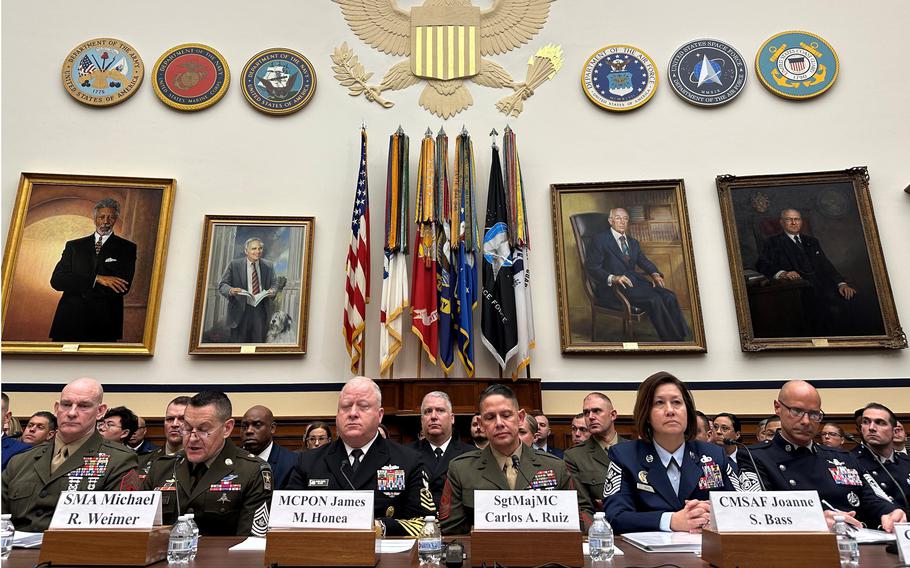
(191, 76)
(278, 81)
(797, 65)
(619, 78)
(707, 72)
(102, 72)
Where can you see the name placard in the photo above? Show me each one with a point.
(526, 510)
(107, 510)
(902, 532)
(767, 511)
(321, 510)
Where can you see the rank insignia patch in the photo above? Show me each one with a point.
(191, 77)
(707, 72)
(796, 65)
(103, 72)
(278, 81)
(619, 78)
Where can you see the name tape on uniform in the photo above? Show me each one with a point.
(902, 532)
(321, 510)
(107, 510)
(767, 511)
(526, 510)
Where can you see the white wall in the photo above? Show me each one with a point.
(219, 157)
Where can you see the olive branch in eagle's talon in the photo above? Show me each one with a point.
(351, 74)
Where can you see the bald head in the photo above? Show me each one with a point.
(800, 390)
(257, 428)
(79, 408)
(796, 403)
(86, 386)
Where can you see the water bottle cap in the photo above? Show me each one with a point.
(838, 518)
(429, 518)
(181, 518)
(599, 515)
(190, 515)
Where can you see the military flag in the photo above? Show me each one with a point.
(357, 265)
(424, 310)
(521, 247)
(395, 249)
(498, 320)
(445, 268)
(465, 242)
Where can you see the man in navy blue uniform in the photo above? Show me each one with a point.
(883, 468)
(611, 261)
(792, 461)
(439, 446)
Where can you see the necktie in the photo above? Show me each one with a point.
(797, 241)
(198, 471)
(356, 453)
(673, 473)
(255, 279)
(438, 452)
(98, 244)
(624, 244)
(59, 458)
(511, 474)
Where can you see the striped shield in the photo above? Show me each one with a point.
(448, 49)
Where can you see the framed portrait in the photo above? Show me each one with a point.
(806, 262)
(625, 271)
(253, 288)
(84, 264)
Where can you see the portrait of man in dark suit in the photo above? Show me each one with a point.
(94, 273)
(612, 260)
(249, 284)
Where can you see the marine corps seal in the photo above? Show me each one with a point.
(191, 77)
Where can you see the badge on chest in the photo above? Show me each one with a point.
(544, 479)
(711, 478)
(843, 475)
(93, 468)
(390, 480)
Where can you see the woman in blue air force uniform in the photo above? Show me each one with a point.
(662, 481)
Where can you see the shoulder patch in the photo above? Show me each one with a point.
(260, 521)
(748, 481)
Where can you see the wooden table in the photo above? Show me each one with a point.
(213, 552)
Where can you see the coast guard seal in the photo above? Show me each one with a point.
(707, 72)
(102, 72)
(191, 77)
(619, 78)
(796, 65)
(278, 81)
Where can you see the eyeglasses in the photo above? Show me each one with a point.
(798, 413)
(723, 428)
(201, 434)
(831, 435)
(104, 426)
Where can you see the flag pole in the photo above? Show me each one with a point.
(419, 358)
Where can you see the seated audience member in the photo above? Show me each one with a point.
(78, 459)
(118, 424)
(705, 431)
(727, 427)
(767, 428)
(228, 490)
(527, 432)
(900, 439)
(832, 435)
(661, 481)
(505, 464)
(543, 436)
(41, 428)
(478, 435)
(362, 460)
(258, 430)
(439, 446)
(11, 445)
(317, 434)
(792, 462)
(579, 428)
(589, 461)
(384, 431)
(137, 441)
(882, 467)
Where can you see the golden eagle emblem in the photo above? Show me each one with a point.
(446, 42)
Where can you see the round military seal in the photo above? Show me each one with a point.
(619, 78)
(279, 81)
(102, 72)
(796, 65)
(191, 76)
(707, 72)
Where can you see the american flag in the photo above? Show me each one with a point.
(357, 267)
(86, 67)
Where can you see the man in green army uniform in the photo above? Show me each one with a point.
(173, 435)
(77, 459)
(588, 462)
(227, 489)
(505, 464)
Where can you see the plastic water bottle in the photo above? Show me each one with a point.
(180, 546)
(7, 532)
(191, 519)
(847, 546)
(600, 539)
(429, 544)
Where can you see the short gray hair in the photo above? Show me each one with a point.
(367, 380)
(107, 203)
(437, 394)
(246, 243)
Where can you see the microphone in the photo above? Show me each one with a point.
(518, 469)
(177, 462)
(854, 439)
(344, 462)
(752, 459)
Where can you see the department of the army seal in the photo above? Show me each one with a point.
(707, 72)
(619, 78)
(796, 65)
(102, 72)
(191, 76)
(278, 81)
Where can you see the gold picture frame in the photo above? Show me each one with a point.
(54, 213)
(829, 291)
(596, 316)
(228, 317)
